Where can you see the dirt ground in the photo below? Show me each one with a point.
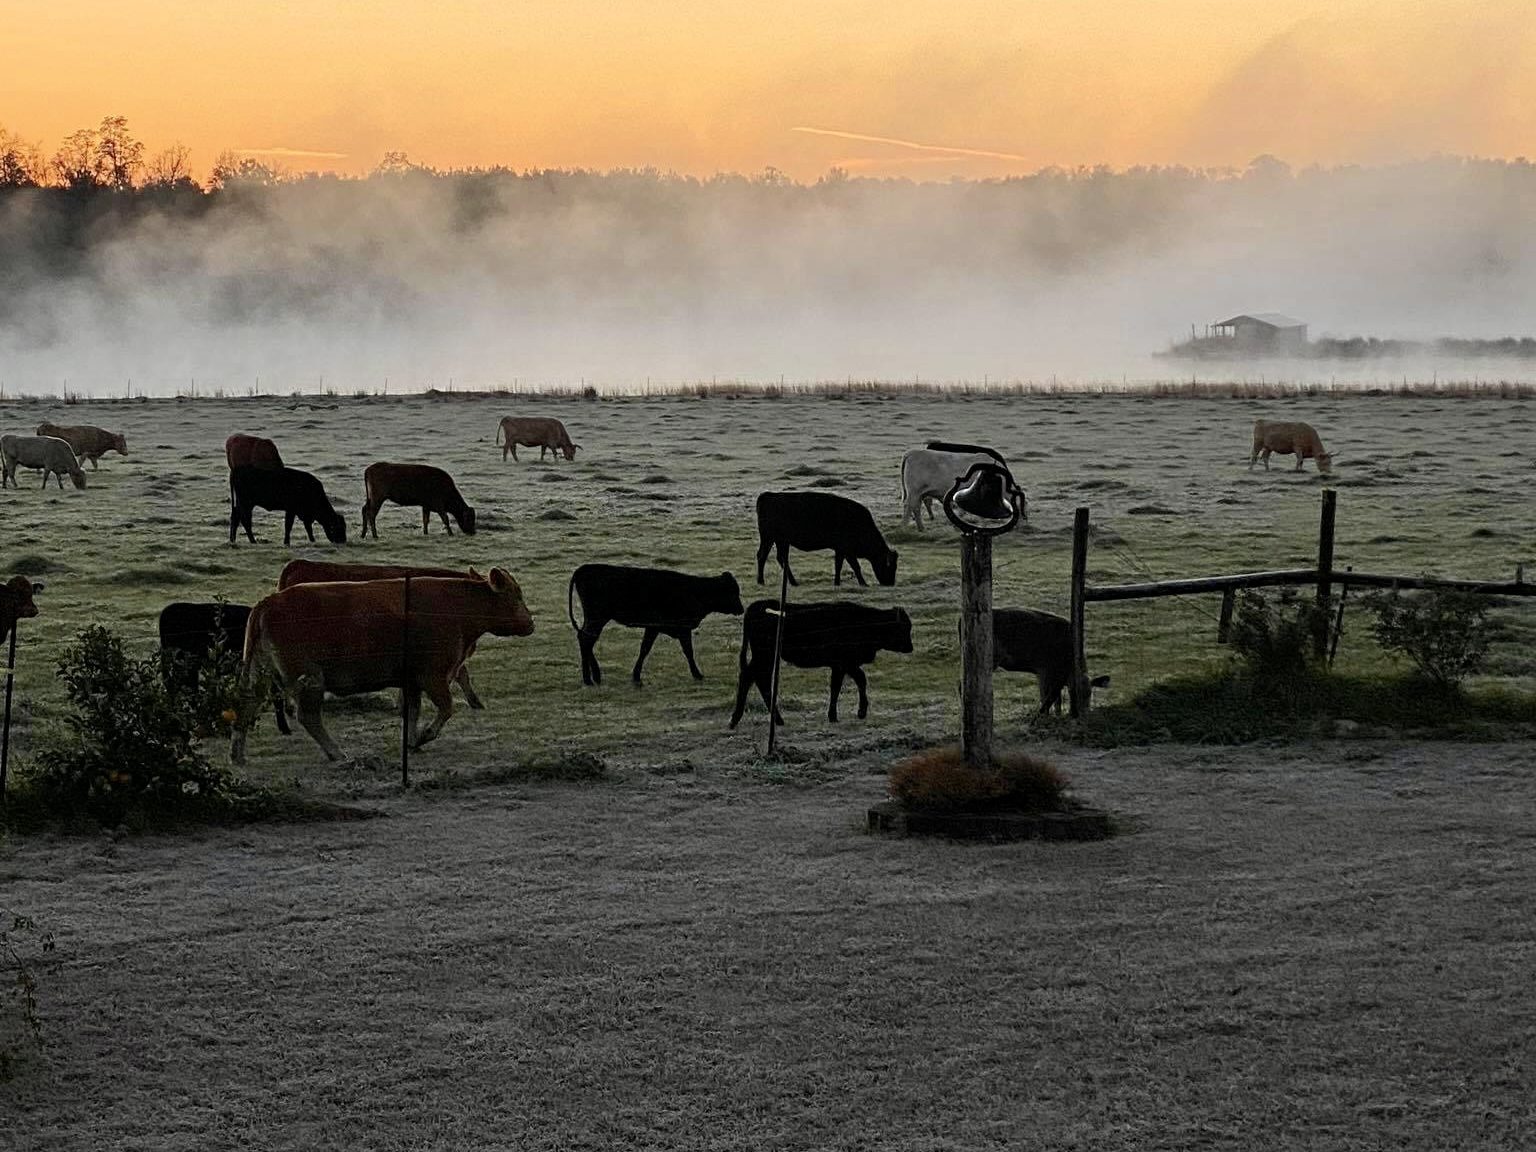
(1324, 946)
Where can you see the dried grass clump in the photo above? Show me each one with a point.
(939, 780)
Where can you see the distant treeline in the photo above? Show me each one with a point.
(1361, 348)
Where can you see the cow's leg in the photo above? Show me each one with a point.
(837, 690)
(426, 519)
(234, 520)
(311, 694)
(645, 650)
(447, 527)
(288, 519)
(587, 636)
(461, 678)
(685, 641)
(1264, 456)
(93, 463)
(411, 700)
(1300, 460)
(764, 546)
(437, 692)
(837, 569)
(928, 504)
(858, 573)
(784, 564)
(743, 686)
(280, 710)
(309, 529)
(504, 453)
(245, 519)
(856, 674)
(514, 452)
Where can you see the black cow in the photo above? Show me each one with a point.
(656, 599)
(297, 494)
(190, 631)
(816, 521)
(1027, 640)
(838, 635)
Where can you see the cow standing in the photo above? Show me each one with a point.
(296, 494)
(1286, 437)
(542, 432)
(819, 521)
(244, 451)
(16, 603)
(346, 638)
(414, 486)
(840, 635)
(86, 440)
(1028, 640)
(656, 599)
(47, 454)
(329, 571)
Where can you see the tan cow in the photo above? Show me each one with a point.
(1286, 437)
(327, 571)
(542, 432)
(346, 638)
(88, 441)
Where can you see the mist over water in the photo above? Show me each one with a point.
(496, 279)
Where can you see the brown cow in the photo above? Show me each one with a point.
(327, 572)
(16, 604)
(1285, 437)
(88, 441)
(542, 432)
(346, 639)
(244, 451)
(414, 486)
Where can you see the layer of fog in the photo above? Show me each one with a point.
(497, 280)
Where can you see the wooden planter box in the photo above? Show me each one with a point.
(1083, 823)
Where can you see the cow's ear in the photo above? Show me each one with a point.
(501, 579)
(1100, 682)
(473, 574)
(37, 586)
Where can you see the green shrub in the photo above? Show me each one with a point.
(1445, 633)
(1276, 639)
(134, 733)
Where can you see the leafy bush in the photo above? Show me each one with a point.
(1276, 638)
(133, 736)
(939, 780)
(1445, 633)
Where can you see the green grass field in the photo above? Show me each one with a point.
(1437, 485)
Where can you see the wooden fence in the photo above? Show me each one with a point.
(1324, 577)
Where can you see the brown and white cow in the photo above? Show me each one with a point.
(1286, 437)
(16, 603)
(327, 572)
(244, 451)
(88, 441)
(346, 638)
(542, 432)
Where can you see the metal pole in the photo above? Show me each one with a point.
(405, 689)
(976, 649)
(5, 729)
(1077, 687)
(778, 651)
(1338, 623)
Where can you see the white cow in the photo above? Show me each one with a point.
(928, 473)
(47, 453)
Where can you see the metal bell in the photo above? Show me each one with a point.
(979, 502)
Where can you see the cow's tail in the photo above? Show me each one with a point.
(570, 602)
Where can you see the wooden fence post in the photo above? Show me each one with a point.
(1325, 570)
(976, 649)
(405, 689)
(5, 727)
(1224, 625)
(1078, 686)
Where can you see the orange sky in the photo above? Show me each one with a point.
(707, 85)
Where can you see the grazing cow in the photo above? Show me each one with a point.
(927, 474)
(328, 571)
(816, 521)
(656, 599)
(345, 638)
(297, 494)
(1285, 437)
(244, 451)
(542, 432)
(839, 635)
(193, 630)
(1026, 640)
(45, 453)
(16, 603)
(414, 486)
(87, 441)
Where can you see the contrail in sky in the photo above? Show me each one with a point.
(290, 152)
(912, 144)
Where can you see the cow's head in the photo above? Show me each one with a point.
(120, 443)
(569, 449)
(77, 478)
(20, 591)
(466, 520)
(1325, 462)
(900, 639)
(885, 568)
(511, 616)
(727, 595)
(333, 524)
(1096, 682)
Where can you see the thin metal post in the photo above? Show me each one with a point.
(976, 649)
(5, 728)
(1077, 687)
(405, 689)
(778, 651)
(1224, 625)
(1338, 622)
(1325, 568)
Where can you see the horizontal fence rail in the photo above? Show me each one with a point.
(1293, 577)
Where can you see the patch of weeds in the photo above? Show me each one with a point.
(34, 565)
(556, 514)
(657, 478)
(940, 780)
(683, 767)
(829, 482)
(154, 575)
(571, 767)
